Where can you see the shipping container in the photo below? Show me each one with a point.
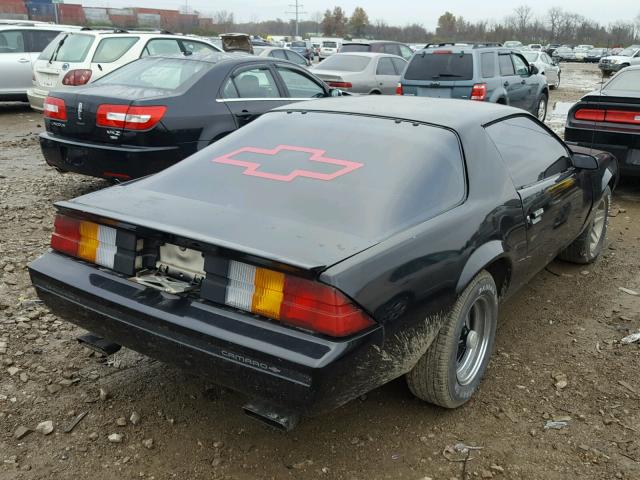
(97, 15)
(71, 14)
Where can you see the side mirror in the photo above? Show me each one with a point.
(533, 70)
(335, 92)
(584, 161)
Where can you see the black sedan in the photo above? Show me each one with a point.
(609, 119)
(305, 270)
(157, 111)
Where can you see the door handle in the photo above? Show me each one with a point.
(506, 84)
(244, 113)
(535, 217)
(24, 60)
(523, 82)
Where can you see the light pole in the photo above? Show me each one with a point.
(297, 12)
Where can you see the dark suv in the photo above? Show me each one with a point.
(483, 72)
(378, 46)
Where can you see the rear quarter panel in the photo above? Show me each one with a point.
(410, 281)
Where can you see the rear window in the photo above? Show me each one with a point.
(437, 66)
(71, 48)
(298, 44)
(111, 49)
(329, 44)
(354, 184)
(50, 48)
(161, 73)
(625, 80)
(355, 47)
(345, 63)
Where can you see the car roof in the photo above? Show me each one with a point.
(370, 42)
(222, 57)
(38, 26)
(365, 54)
(451, 113)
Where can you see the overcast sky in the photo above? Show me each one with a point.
(394, 12)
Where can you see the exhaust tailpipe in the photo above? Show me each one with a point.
(271, 416)
(99, 344)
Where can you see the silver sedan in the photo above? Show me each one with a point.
(546, 66)
(362, 72)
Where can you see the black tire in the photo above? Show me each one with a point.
(587, 248)
(435, 378)
(557, 85)
(543, 100)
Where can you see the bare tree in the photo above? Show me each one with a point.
(554, 15)
(523, 15)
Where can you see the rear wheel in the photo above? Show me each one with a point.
(588, 246)
(556, 85)
(451, 370)
(541, 111)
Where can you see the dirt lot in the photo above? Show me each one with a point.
(567, 323)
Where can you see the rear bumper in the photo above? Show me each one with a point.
(287, 368)
(36, 98)
(109, 161)
(624, 146)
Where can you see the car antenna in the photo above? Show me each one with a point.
(593, 132)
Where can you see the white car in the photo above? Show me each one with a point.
(328, 48)
(581, 52)
(80, 57)
(546, 66)
(628, 57)
(535, 46)
(20, 45)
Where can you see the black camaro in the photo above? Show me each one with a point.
(305, 270)
(156, 111)
(609, 119)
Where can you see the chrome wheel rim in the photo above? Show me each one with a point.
(473, 343)
(542, 109)
(597, 229)
(558, 82)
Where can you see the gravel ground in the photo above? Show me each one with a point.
(558, 357)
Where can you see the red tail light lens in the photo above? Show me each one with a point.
(623, 116)
(341, 84)
(399, 90)
(55, 109)
(77, 77)
(479, 92)
(590, 114)
(129, 117)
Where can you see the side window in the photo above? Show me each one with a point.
(111, 49)
(385, 67)
(399, 64)
(405, 52)
(521, 65)
(299, 85)
(506, 65)
(392, 49)
(546, 59)
(161, 46)
(11, 41)
(255, 83)
(296, 58)
(278, 54)
(197, 47)
(530, 153)
(229, 90)
(41, 38)
(488, 64)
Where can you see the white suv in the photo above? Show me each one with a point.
(20, 45)
(76, 58)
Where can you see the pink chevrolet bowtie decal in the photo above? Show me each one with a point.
(316, 155)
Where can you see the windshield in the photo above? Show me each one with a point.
(531, 57)
(329, 44)
(440, 66)
(355, 47)
(628, 52)
(352, 185)
(625, 80)
(68, 47)
(344, 63)
(162, 73)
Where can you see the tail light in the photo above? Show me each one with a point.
(77, 77)
(86, 240)
(100, 244)
(590, 114)
(442, 52)
(479, 92)
(341, 84)
(290, 300)
(613, 116)
(129, 117)
(399, 90)
(55, 109)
